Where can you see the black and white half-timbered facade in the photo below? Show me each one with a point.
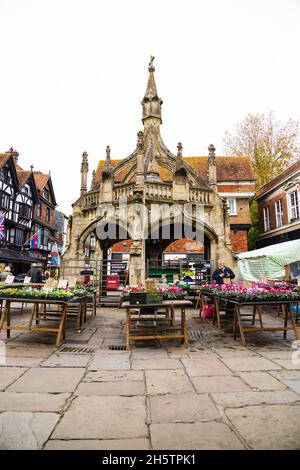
(19, 199)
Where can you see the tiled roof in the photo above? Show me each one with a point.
(289, 171)
(40, 179)
(23, 176)
(3, 159)
(230, 168)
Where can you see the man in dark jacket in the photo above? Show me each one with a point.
(35, 274)
(222, 272)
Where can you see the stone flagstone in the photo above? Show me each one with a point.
(146, 353)
(167, 381)
(182, 408)
(9, 375)
(19, 430)
(114, 376)
(28, 351)
(237, 399)
(249, 364)
(103, 418)
(67, 360)
(219, 384)
(20, 361)
(156, 364)
(261, 381)
(12, 401)
(52, 380)
(111, 388)
(288, 363)
(96, 444)
(200, 436)
(268, 427)
(110, 362)
(205, 366)
(235, 352)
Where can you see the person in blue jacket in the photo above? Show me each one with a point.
(222, 272)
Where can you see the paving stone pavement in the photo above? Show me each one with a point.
(216, 394)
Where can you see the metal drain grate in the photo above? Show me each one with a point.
(74, 350)
(194, 335)
(114, 347)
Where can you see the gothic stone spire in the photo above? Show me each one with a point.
(151, 102)
(84, 172)
(108, 171)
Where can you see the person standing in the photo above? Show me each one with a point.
(222, 272)
(35, 274)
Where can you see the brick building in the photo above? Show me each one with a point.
(279, 208)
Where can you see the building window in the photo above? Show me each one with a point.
(5, 200)
(48, 214)
(12, 236)
(38, 210)
(25, 211)
(46, 236)
(19, 237)
(45, 194)
(279, 213)
(294, 205)
(231, 203)
(266, 218)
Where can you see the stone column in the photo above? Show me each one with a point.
(137, 263)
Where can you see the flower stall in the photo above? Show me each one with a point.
(150, 313)
(67, 301)
(141, 295)
(260, 294)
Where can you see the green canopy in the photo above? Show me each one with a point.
(268, 262)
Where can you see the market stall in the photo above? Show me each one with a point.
(43, 300)
(269, 263)
(281, 295)
(150, 313)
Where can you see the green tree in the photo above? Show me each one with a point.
(254, 229)
(272, 145)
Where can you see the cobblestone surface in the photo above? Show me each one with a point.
(216, 394)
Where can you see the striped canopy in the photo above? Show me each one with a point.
(268, 262)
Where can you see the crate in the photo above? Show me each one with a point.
(136, 298)
(154, 297)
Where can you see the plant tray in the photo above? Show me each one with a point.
(139, 298)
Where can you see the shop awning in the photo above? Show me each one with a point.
(16, 256)
(268, 262)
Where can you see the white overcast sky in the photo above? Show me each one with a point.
(73, 73)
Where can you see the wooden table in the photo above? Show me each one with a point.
(284, 305)
(163, 323)
(35, 313)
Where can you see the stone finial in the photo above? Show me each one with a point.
(151, 67)
(108, 169)
(84, 173)
(93, 179)
(179, 150)
(108, 160)
(211, 150)
(31, 168)
(84, 163)
(140, 142)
